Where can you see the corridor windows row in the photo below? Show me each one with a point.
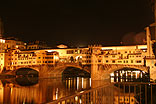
(27, 62)
(47, 61)
(86, 56)
(138, 61)
(47, 57)
(70, 51)
(133, 56)
(86, 61)
(122, 61)
(78, 52)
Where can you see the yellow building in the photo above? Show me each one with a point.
(12, 55)
(128, 55)
(28, 58)
(13, 43)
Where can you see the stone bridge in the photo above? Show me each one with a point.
(102, 72)
(48, 70)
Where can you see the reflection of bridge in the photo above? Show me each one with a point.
(117, 93)
(44, 91)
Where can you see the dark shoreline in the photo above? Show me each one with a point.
(6, 76)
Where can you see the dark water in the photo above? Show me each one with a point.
(28, 90)
(24, 90)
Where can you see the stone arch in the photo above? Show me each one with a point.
(103, 72)
(58, 70)
(74, 72)
(24, 71)
(118, 68)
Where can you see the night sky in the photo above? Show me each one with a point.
(75, 22)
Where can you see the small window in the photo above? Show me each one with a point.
(113, 61)
(113, 56)
(138, 61)
(119, 61)
(99, 60)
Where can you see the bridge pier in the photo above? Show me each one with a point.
(97, 71)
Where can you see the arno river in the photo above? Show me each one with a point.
(33, 90)
(39, 91)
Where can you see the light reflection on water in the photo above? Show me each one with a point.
(18, 91)
(33, 90)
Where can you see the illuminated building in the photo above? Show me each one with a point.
(28, 58)
(36, 45)
(128, 55)
(62, 46)
(13, 43)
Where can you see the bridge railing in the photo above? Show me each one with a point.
(115, 93)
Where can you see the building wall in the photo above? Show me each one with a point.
(128, 55)
(24, 58)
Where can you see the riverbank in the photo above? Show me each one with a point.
(6, 76)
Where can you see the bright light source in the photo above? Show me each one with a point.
(2, 41)
(50, 50)
(76, 98)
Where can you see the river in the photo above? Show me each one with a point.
(29, 90)
(25, 90)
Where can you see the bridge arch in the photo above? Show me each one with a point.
(129, 74)
(62, 69)
(26, 72)
(75, 72)
(116, 69)
(45, 71)
(102, 72)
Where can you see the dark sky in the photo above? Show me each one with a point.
(74, 22)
